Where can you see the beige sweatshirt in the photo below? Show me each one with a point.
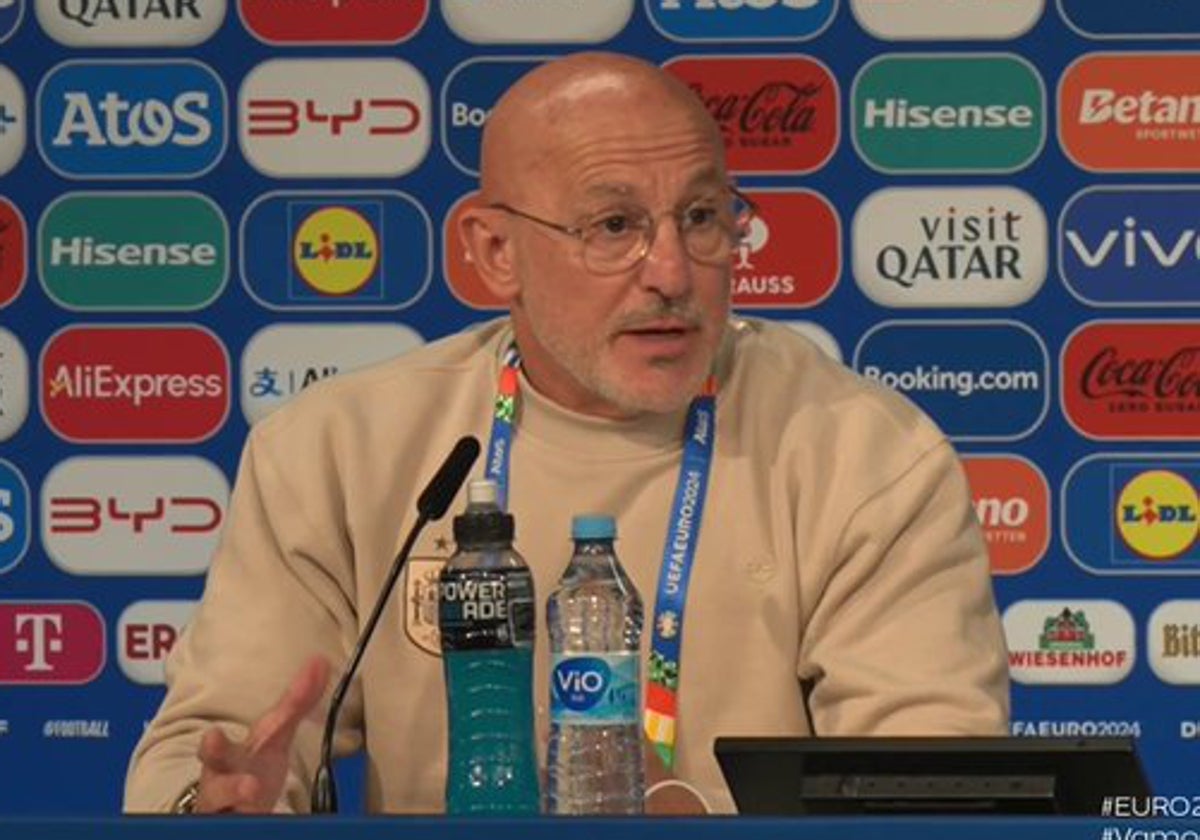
(838, 545)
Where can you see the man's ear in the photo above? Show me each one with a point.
(485, 234)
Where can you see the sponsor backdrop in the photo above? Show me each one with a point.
(207, 205)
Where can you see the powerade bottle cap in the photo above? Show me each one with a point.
(483, 522)
(593, 527)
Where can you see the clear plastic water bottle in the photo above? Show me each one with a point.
(594, 761)
(486, 614)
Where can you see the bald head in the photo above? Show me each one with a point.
(567, 98)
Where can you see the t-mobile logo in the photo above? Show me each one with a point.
(38, 635)
(44, 642)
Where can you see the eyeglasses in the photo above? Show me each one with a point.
(616, 240)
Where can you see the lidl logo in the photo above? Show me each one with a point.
(941, 20)
(13, 239)
(536, 21)
(1133, 380)
(134, 384)
(12, 120)
(1012, 502)
(369, 250)
(1131, 112)
(741, 20)
(461, 277)
(146, 633)
(1173, 641)
(468, 95)
(1113, 18)
(773, 268)
(11, 12)
(14, 384)
(1132, 246)
(14, 516)
(334, 117)
(130, 23)
(1149, 503)
(150, 251)
(950, 246)
(133, 515)
(1071, 642)
(333, 21)
(131, 119)
(50, 643)
(777, 115)
(283, 359)
(948, 113)
(980, 380)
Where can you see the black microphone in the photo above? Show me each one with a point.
(432, 505)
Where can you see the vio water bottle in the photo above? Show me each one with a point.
(486, 615)
(594, 760)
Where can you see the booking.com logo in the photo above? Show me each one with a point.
(980, 380)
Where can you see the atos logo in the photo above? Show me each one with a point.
(773, 268)
(133, 516)
(334, 117)
(1151, 508)
(143, 384)
(580, 682)
(536, 21)
(947, 19)
(469, 93)
(13, 242)
(131, 119)
(777, 115)
(1114, 18)
(14, 516)
(1136, 380)
(283, 359)
(741, 20)
(352, 251)
(12, 120)
(1132, 246)
(980, 380)
(1131, 112)
(14, 384)
(11, 12)
(333, 21)
(130, 23)
(50, 643)
(146, 633)
(1012, 502)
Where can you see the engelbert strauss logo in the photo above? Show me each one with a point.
(740, 20)
(131, 119)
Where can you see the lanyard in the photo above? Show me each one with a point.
(679, 549)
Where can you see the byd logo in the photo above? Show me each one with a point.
(333, 21)
(144, 384)
(46, 643)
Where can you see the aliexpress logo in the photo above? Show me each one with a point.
(1131, 112)
(333, 21)
(1012, 503)
(143, 384)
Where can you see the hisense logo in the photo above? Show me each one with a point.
(900, 113)
(86, 251)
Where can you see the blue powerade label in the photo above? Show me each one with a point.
(594, 690)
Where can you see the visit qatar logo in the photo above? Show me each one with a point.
(777, 114)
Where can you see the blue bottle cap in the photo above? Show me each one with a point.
(593, 527)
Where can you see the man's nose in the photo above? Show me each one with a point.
(667, 268)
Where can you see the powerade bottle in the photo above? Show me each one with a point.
(594, 761)
(486, 615)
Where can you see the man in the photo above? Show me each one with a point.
(837, 544)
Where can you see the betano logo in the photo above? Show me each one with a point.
(1131, 112)
(947, 19)
(1157, 514)
(741, 20)
(948, 113)
(336, 251)
(134, 384)
(333, 21)
(1012, 502)
(771, 268)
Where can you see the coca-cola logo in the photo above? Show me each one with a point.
(1108, 374)
(777, 107)
(778, 115)
(1133, 380)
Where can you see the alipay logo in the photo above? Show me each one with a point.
(980, 380)
(741, 20)
(468, 95)
(1122, 246)
(948, 113)
(131, 119)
